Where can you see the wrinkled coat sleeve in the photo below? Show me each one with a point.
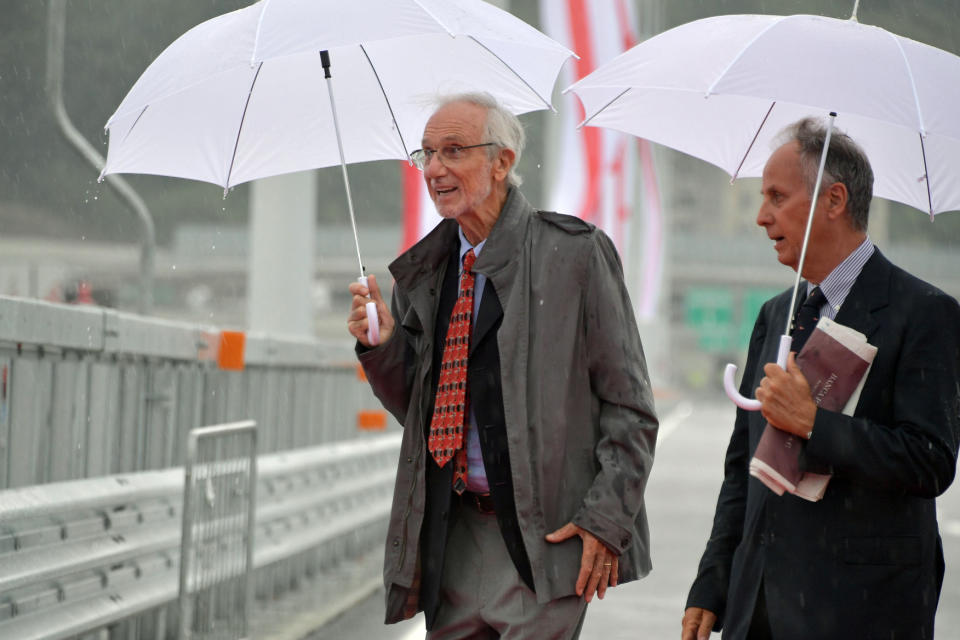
(387, 366)
(709, 590)
(621, 388)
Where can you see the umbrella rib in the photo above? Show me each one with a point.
(435, 18)
(103, 171)
(519, 77)
(926, 176)
(913, 84)
(923, 129)
(739, 55)
(750, 146)
(393, 116)
(243, 118)
(135, 122)
(601, 109)
(256, 36)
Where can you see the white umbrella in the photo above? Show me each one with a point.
(722, 88)
(242, 96)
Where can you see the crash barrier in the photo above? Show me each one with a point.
(99, 558)
(216, 548)
(88, 391)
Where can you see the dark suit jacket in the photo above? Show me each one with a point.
(486, 400)
(865, 562)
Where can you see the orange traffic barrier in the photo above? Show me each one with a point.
(230, 354)
(371, 420)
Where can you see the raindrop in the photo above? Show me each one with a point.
(174, 267)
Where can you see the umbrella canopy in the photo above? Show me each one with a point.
(250, 94)
(721, 88)
(243, 96)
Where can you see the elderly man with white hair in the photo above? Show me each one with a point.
(511, 356)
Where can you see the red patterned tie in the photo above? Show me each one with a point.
(450, 405)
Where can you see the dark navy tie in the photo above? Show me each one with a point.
(806, 318)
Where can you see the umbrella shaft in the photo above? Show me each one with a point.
(813, 206)
(343, 163)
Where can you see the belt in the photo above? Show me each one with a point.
(482, 502)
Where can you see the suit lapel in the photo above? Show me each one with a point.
(488, 317)
(870, 294)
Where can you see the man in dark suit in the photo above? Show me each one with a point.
(556, 411)
(866, 561)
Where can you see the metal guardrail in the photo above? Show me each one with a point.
(88, 391)
(103, 553)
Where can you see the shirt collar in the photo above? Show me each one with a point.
(836, 286)
(466, 246)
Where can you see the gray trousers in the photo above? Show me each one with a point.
(483, 596)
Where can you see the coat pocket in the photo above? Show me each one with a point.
(887, 550)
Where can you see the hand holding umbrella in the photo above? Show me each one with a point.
(366, 294)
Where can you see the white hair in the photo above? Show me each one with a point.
(503, 128)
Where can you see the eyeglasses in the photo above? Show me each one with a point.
(450, 154)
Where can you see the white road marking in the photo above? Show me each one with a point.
(668, 425)
(417, 633)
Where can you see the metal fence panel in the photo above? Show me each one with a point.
(285, 400)
(190, 395)
(215, 397)
(160, 419)
(104, 418)
(30, 381)
(68, 419)
(218, 529)
(126, 453)
(6, 363)
(88, 392)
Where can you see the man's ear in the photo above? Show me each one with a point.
(502, 164)
(836, 196)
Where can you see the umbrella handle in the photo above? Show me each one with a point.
(373, 318)
(731, 388)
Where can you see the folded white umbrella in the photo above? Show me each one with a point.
(246, 95)
(722, 88)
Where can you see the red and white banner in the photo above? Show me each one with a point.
(594, 171)
(419, 214)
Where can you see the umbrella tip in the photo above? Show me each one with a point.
(853, 16)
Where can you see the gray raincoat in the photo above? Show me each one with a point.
(579, 411)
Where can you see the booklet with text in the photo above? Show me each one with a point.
(835, 361)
